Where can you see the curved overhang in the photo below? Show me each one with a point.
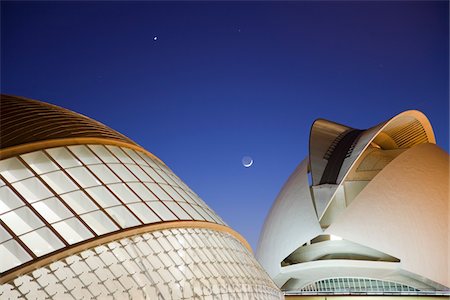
(403, 131)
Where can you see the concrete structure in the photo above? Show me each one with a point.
(87, 213)
(366, 212)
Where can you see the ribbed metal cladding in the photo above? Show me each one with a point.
(25, 121)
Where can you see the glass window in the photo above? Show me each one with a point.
(137, 159)
(172, 193)
(103, 153)
(153, 174)
(63, 157)
(105, 174)
(52, 210)
(2, 183)
(32, 189)
(42, 241)
(123, 216)
(183, 194)
(72, 230)
(142, 192)
(158, 191)
(79, 202)
(191, 210)
(12, 255)
(84, 154)
(166, 177)
(13, 170)
(39, 162)
(83, 177)
(102, 196)
(120, 154)
(99, 222)
(181, 214)
(59, 182)
(124, 193)
(21, 220)
(4, 235)
(161, 210)
(123, 172)
(147, 158)
(8, 200)
(137, 171)
(144, 213)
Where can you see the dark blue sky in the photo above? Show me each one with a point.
(224, 80)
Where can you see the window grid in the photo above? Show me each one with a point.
(34, 211)
(103, 184)
(83, 190)
(180, 198)
(143, 182)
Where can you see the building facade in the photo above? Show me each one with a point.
(366, 212)
(87, 213)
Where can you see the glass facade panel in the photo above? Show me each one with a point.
(99, 222)
(103, 153)
(41, 241)
(102, 196)
(124, 193)
(141, 175)
(83, 177)
(8, 200)
(12, 255)
(4, 235)
(142, 191)
(134, 156)
(162, 195)
(32, 189)
(153, 174)
(21, 220)
(72, 230)
(105, 174)
(123, 172)
(162, 211)
(13, 170)
(59, 182)
(39, 162)
(144, 213)
(63, 157)
(52, 210)
(177, 210)
(123, 216)
(79, 202)
(120, 154)
(84, 154)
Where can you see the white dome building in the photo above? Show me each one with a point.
(87, 213)
(366, 212)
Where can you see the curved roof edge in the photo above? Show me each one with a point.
(26, 121)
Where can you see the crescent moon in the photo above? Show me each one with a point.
(247, 161)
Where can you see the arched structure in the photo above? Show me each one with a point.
(86, 212)
(375, 212)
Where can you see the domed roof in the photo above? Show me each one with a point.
(26, 121)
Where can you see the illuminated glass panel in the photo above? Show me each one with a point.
(52, 210)
(99, 222)
(72, 230)
(79, 202)
(41, 241)
(59, 182)
(105, 174)
(63, 157)
(8, 200)
(13, 170)
(21, 220)
(83, 177)
(39, 162)
(103, 153)
(84, 154)
(12, 255)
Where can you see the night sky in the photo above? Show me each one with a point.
(224, 80)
